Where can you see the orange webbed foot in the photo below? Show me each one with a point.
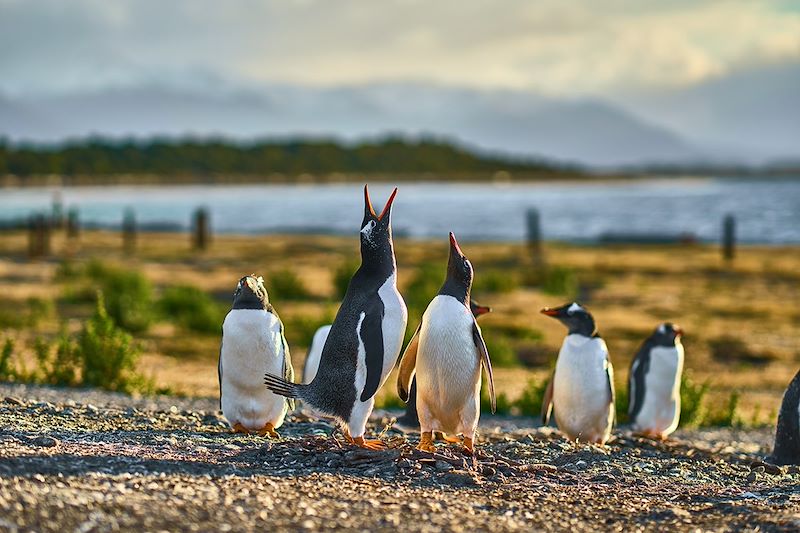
(268, 429)
(469, 446)
(376, 445)
(239, 428)
(426, 442)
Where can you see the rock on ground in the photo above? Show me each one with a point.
(92, 461)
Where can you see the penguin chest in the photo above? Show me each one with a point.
(661, 400)
(448, 365)
(581, 395)
(393, 324)
(252, 345)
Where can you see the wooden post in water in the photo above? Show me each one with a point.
(73, 224)
(535, 237)
(202, 229)
(57, 214)
(728, 237)
(129, 232)
(38, 236)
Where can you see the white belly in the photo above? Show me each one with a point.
(448, 369)
(251, 347)
(661, 405)
(314, 353)
(581, 400)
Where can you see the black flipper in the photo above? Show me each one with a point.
(485, 361)
(372, 338)
(636, 388)
(288, 369)
(219, 374)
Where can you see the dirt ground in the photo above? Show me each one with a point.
(74, 460)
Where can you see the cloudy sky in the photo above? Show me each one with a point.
(582, 47)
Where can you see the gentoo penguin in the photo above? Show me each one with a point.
(787, 435)
(252, 343)
(581, 392)
(654, 383)
(410, 420)
(446, 353)
(314, 352)
(365, 337)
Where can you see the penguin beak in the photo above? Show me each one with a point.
(551, 311)
(454, 244)
(678, 331)
(481, 310)
(367, 203)
(388, 205)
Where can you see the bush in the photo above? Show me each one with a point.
(192, 308)
(621, 402)
(530, 401)
(7, 372)
(300, 330)
(495, 281)
(693, 397)
(285, 285)
(108, 355)
(501, 351)
(31, 313)
(559, 281)
(727, 416)
(341, 277)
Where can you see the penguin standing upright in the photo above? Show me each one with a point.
(654, 383)
(365, 338)
(581, 392)
(252, 343)
(409, 421)
(447, 353)
(786, 450)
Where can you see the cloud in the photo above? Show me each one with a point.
(568, 48)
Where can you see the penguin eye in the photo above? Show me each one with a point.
(371, 223)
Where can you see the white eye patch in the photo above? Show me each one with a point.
(662, 329)
(367, 229)
(574, 308)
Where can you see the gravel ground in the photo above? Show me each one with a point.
(92, 461)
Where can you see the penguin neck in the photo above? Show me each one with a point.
(585, 329)
(456, 289)
(377, 262)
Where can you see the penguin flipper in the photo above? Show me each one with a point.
(485, 361)
(372, 338)
(611, 394)
(219, 374)
(547, 401)
(288, 369)
(636, 386)
(408, 364)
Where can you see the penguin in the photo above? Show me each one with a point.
(786, 450)
(654, 383)
(314, 352)
(581, 392)
(364, 340)
(253, 342)
(409, 421)
(446, 353)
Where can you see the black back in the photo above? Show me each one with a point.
(664, 335)
(333, 389)
(787, 434)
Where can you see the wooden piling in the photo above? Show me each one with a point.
(202, 229)
(129, 232)
(728, 237)
(535, 237)
(73, 224)
(38, 236)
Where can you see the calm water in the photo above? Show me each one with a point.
(767, 211)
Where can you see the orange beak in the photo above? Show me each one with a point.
(367, 200)
(678, 331)
(482, 310)
(454, 243)
(388, 203)
(550, 311)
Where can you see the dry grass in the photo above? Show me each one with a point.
(628, 288)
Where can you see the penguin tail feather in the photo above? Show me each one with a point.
(282, 387)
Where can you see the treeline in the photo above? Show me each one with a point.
(104, 157)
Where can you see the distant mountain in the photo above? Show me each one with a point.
(589, 132)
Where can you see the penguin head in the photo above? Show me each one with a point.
(458, 282)
(667, 334)
(376, 230)
(478, 309)
(575, 317)
(250, 293)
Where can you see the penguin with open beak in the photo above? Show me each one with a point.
(409, 421)
(446, 353)
(654, 383)
(252, 343)
(364, 340)
(786, 450)
(581, 391)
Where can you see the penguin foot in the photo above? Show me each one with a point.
(452, 439)
(426, 442)
(469, 447)
(239, 428)
(268, 429)
(376, 445)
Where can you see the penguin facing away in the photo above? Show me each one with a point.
(581, 392)
(446, 354)
(364, 340)
(654, 383)
(409, 421)
(786, 450)
(252, 343)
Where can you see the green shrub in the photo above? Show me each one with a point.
(18, 315)
(192, 308)
(300, 330)
(502, 403)
(727, 416)
(693, 399)
(621, 402)
(391, 401)
(341, 277)
(108, 355)
(530, 401)
(39, 309)
(560, 281)
(495, 281)
(7, 372)
(501, 351)
(286, 285)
